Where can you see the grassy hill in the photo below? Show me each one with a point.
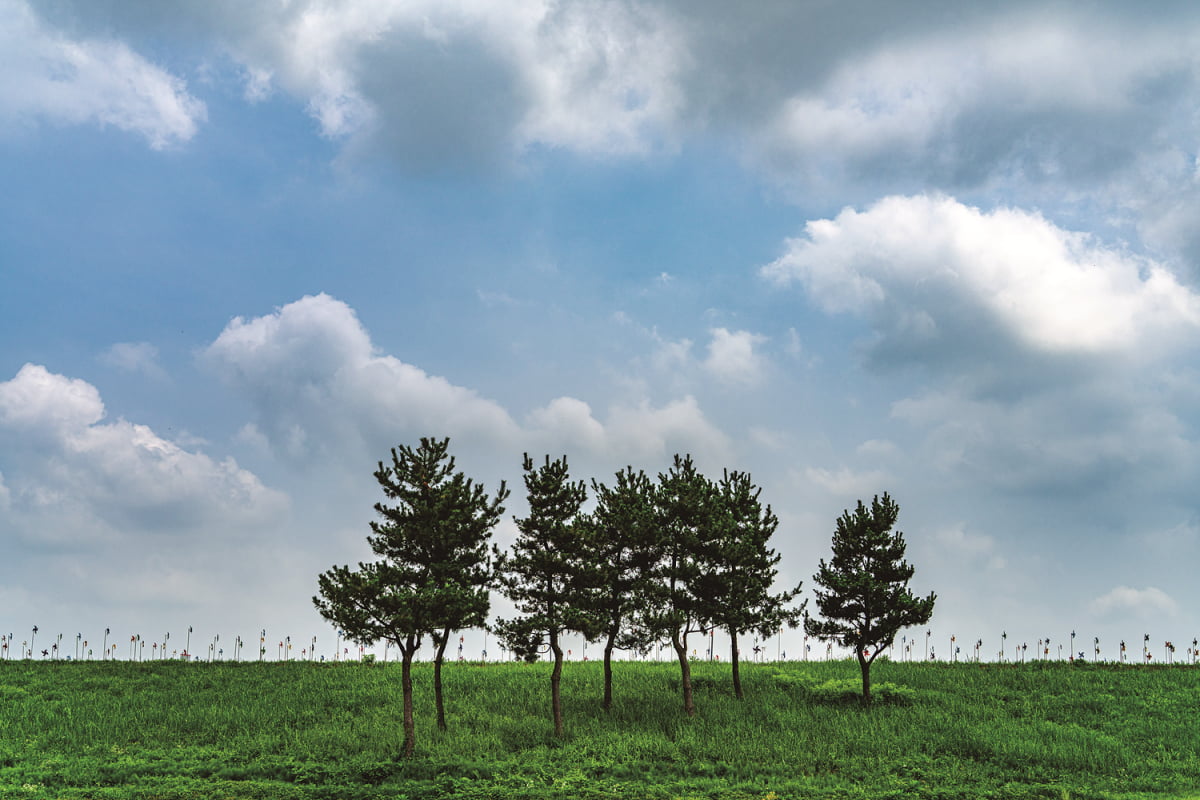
(302, 730)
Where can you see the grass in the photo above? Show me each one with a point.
(302, 730)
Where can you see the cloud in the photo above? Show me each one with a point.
(971, 547)
(134, 357)
(1023, 94)
(112, 478)
(732, 358)
(439, 85)
(45, 75)
(316, 383)
(319, 388)
(1145, 603)
(848, 483)
(934, 276)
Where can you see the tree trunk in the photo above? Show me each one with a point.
(437, 680)
(685, 671)
(733, 659)
(865, 666)
(609, 646)
(410, 729)
(555, 680)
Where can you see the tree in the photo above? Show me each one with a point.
(539, 575)
(864, 599)
(680, 601)
(744, 569)
(433, 576)
(613, 582)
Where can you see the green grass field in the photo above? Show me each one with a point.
(301, 730)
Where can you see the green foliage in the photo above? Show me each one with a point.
(433, 575)
(434, 572)
(540, 575)
(743, 567)
(864, 595)
(615, 579)
(301, 730)
(622, 552)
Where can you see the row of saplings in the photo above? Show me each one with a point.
(654, 560)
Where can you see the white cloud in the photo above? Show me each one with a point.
(971, 547)
(732, 357)
(643, 431)
(568, 423)
(38, 400)
(1035, 95)
(671, 355)
(121, 474)
(848, 483)
(932, 273)
(877, 449)
(467, 78)
(134, 357)
(319, 387)
(46, 75)
(1145, 603)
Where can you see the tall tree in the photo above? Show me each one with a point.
(865, 599)
(744, 570)
(613, 582)
(539, 574)
(433, 576)
(681, 601)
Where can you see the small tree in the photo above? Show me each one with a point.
(680, 600)
(539, 575)
(434, 573)
(864, 599)
(744, 569)
(615, 578)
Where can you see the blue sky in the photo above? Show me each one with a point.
(947, 253)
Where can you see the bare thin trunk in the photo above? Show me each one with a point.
(609, 646)
(410, 729)
(555, 681)
(437, 680)
(733, 659)
(685, 671)
(865, 666)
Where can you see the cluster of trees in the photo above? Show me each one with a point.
(654, 560)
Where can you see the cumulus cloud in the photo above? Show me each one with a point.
(115, 476)
(732, 357)
(317, 383)
(46, 75)
(1145, 603)
(319, 387)
(435, 83)
(1042, 94)
(934, 275)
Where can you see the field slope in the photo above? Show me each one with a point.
(301, 730)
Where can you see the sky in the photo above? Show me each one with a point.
(942, 250)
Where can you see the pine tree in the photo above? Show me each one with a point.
(614, 579)
(539, 575)
(681, 601)
(865, 599)
(433, 575)
(744, 570)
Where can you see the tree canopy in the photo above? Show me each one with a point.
(864, 597)
(433, 574)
